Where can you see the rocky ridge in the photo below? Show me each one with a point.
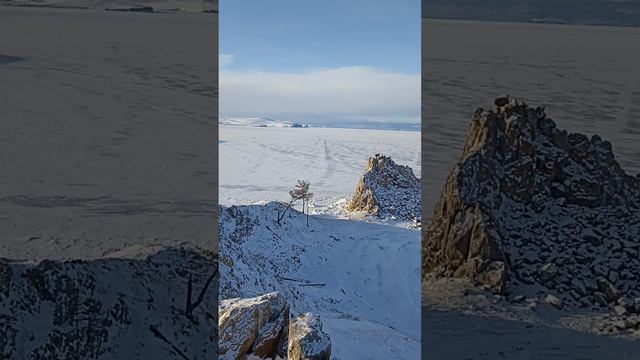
(111, 308)
(534, 212)
(387, 189)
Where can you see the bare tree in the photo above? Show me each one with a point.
(299, 192)
(294, 197)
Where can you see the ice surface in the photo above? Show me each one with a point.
(107, 131)
(259, 164)
(456, 336)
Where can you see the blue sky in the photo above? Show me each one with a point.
(277, 55)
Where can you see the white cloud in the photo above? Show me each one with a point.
(358, 93)
(225, 60)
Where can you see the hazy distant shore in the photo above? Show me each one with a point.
(143, 6)
(573, 12)
(542, 21)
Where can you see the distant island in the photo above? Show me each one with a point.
(584, 12)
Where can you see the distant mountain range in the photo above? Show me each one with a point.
(589, 12)
(350, 124)
(259, 122)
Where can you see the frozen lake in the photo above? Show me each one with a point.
(263, 164)
(107, 129)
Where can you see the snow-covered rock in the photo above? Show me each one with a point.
(548, 273)
(553, 301)
(532, 209)
(112, 308)
(606, 287)
(260, 328)
(307, 341)
(387, 189)
(256, 326)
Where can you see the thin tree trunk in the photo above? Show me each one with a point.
(281, 216)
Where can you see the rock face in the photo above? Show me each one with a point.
(255, 326)
(530, 206)
(307, 341)
(259, 327)
(387, 189)
(109, 308)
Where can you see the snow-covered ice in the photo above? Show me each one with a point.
(258, 164)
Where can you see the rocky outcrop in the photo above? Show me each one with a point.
(111, 308)
(307, 341)
(256, 326)
(387, 189)
(259, 327)
(531, 208)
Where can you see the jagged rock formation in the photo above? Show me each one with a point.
(387, 189)
(531, 209)
(259, 327)
(109, 308)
